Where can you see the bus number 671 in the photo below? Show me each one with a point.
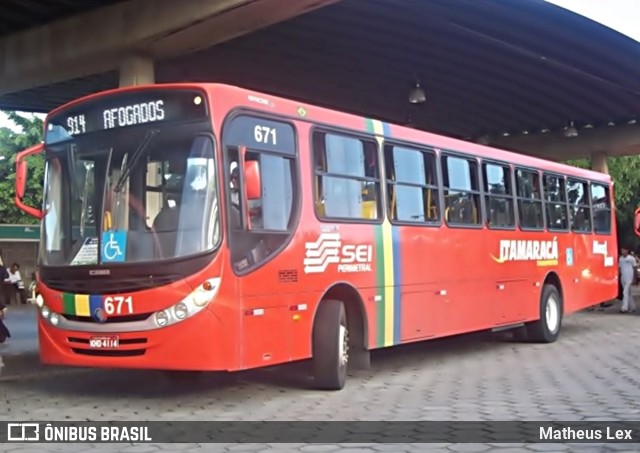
(115, 304)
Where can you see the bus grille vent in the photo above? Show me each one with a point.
(288, 276)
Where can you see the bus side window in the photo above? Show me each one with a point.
(529, 199)
(346, 180)
(412, 185)
(555, 202)
(461, 191)
(601, 202)
(580, 210)
(498, 196)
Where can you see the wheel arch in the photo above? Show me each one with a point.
(552, 278)
(357, 321)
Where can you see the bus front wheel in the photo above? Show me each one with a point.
(330, 345)
(547, 328)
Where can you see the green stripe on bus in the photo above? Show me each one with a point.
(380, 300)
(69, 304)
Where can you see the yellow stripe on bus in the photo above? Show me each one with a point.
(82, 305)
(389, 277)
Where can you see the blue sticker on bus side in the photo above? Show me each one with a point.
(569, 257)
(114, 246)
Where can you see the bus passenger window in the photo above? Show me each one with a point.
(601, 202)
(412, 185)
(346, 180)
(498, 196)
(555, 202)
(461, 191)
(529, 199)
(579, 209)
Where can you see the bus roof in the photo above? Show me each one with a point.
(314, 114)
(330, 117)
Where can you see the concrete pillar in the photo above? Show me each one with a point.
(140, 70)
(599, 162)
(137, 70)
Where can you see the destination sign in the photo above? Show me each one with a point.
(125, 110)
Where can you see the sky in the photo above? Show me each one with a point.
(620, 15)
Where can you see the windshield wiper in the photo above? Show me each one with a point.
(134, 159)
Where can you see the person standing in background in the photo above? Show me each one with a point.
(15, 279)
(4, 331)
(627, 264)
(4, 276)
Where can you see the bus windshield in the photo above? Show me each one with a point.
(130, 195)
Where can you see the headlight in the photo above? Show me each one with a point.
(45, 311)
(180, 311)
(54, 319)
(190, 305)
(39, 300)
(162, 319)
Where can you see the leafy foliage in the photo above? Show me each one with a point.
(11, 143)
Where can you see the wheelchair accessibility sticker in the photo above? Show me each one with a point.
(114, 246)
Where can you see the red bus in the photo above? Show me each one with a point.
(201, 227)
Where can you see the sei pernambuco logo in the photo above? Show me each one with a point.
(328, 249)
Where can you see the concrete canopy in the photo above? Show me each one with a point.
(510, 73)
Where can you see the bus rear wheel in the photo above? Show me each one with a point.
(547, 328)
(330, 345)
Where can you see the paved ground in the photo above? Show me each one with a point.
(591, 373)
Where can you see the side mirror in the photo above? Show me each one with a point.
(21, 179)
(636, 222)
(252, 183)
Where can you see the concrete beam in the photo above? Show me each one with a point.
(617, 140)
(97, 41)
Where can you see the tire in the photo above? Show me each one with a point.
(330, 345)
(547, 328)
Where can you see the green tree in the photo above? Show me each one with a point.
(11, 143)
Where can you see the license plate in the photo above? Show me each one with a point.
(104, 342)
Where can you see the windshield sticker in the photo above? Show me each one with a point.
(114, 246)
(544, 253)
(88, 253)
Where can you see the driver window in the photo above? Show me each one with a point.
(260, 157)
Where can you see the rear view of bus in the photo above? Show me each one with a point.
(130, 232)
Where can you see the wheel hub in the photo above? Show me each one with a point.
(552, 314)
(343, 344)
